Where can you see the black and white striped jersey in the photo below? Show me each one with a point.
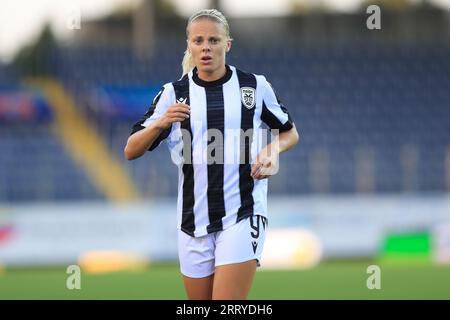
(215, 147)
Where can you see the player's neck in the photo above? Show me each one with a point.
(212, 76)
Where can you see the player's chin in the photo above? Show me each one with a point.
(205, 68)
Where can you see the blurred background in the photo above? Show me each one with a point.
(367, 185)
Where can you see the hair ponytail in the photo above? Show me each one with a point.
(188, 63)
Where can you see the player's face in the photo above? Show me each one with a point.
(208, 44)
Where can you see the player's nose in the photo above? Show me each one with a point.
(206, 48)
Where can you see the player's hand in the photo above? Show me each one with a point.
(175, 113)
(266, 164)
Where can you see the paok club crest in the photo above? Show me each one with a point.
(248, 97)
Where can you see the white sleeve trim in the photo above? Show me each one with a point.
(165, 101)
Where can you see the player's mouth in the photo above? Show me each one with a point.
(206, 59)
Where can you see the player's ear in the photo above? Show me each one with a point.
(228, 46)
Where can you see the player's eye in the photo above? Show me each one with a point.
(214, 41)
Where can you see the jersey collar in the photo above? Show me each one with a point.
(214, 83)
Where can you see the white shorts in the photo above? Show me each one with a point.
(243, 241)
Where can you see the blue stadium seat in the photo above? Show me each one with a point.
(342, 97)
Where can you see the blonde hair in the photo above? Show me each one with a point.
(212, 14)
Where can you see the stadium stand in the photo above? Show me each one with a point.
(384, 104)
(34, 166)
(346, 99)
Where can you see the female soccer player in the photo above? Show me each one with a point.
(222, 192)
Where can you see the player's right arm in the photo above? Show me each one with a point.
(140, 141)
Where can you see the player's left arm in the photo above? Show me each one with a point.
(278, 119)
(267, 161)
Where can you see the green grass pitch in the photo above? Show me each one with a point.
(332, 280)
